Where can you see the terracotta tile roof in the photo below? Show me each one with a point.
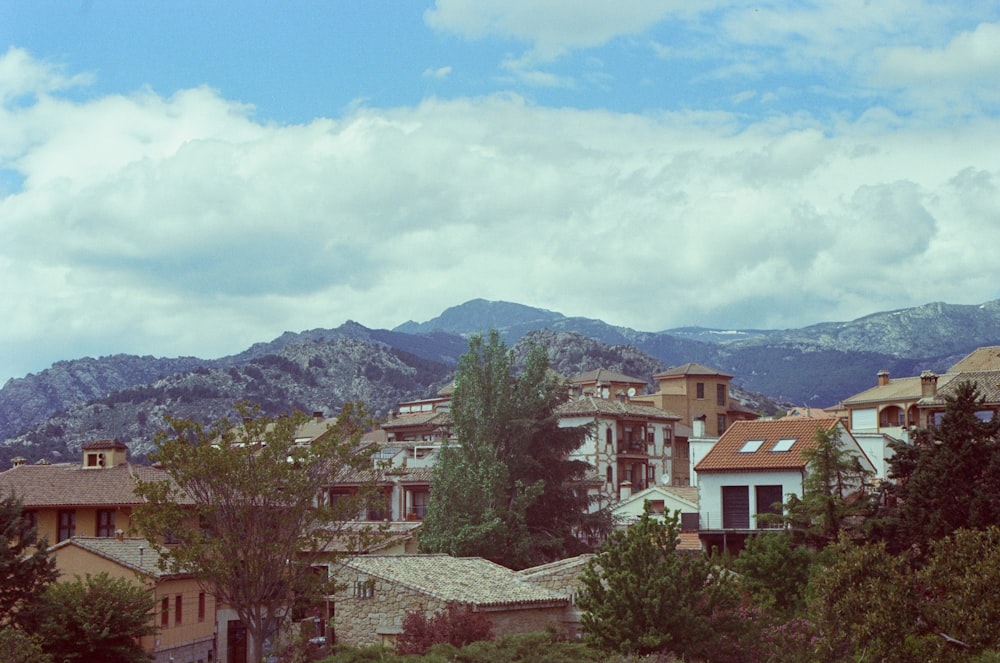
(807, 413)
(592, 406)
(132, 553)
(67, 484)
(726, 456)
(604, 375)
(691, 368)
(981, 359)
(461, 579)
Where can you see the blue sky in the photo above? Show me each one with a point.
(187, 178)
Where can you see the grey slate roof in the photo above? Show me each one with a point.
(462, 579)
(133, 553)
(592, 406)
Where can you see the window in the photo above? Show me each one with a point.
(105, 522)
(610, 475)
(29, 526)
(201, 606)
(735, 507)
(67, 524)
(92, 460)
(720, 394)
(165, 612)
(420, 500)
(364, 589)
(720, 421)
(768, 502)
(751, 446)
(607, 436)
(784, 445)
(178, 609)
(699, 390)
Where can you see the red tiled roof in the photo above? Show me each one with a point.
(725, 455)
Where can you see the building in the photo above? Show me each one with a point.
(630, 446)
(378, 591)
(894, 405)
(185, 613)
(752, 469)
(95, 498)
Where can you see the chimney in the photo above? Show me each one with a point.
(698, 426)
(18, 461)
(625, 491)
(119, 535)
(883, 378)
(318, 416)
(928, 384)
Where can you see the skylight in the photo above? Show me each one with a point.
(784, 445)
(750, 446)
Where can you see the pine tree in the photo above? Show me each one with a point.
(26, 567)
(948, 478)
(640, 596)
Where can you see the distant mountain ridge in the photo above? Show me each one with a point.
(816, 365)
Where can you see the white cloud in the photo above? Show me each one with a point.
(179, 225)
(551, 26)
(440, 73)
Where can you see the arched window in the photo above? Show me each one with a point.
(607, 436)
(611, 478)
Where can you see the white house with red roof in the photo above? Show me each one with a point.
(752, 470)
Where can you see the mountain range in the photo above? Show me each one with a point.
(49, 414)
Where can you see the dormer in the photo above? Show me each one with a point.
(103, 453)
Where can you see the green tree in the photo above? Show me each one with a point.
(16, 646)
(96, 619)
(835, 495)
(245, 502)
(640, 596)
(948, 478)
(26, 567)
(508, 491)
(775, 571)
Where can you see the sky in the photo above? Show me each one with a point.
(189, 177)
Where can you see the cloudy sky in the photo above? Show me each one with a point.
(187, 178)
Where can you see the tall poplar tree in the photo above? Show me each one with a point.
(26, 565)
(508, 490)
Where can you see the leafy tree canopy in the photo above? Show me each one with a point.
(246, 503)
(96, 619)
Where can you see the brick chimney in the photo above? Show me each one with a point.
(928, 384)
(883, 378)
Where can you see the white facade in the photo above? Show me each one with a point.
(710, 494)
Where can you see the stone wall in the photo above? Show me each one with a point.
(371, 610)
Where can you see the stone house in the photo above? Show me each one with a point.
(376, 592)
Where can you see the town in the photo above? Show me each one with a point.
(685, 454)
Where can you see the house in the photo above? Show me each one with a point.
(378, 591)
(184, 613)
(663, 501)
(894, 405)
(752, 469)
(630, 446)
(94, 498)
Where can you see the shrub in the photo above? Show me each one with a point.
(456, 625)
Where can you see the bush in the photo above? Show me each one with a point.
(456, 625)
